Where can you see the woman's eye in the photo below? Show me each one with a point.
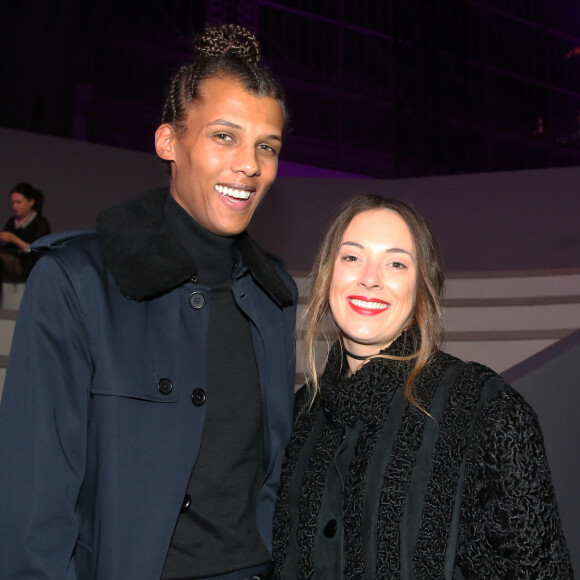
(349, 258)
(223, 137)
(399, 265)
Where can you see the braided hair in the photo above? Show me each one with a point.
(228, 50)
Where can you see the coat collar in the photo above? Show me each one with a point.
(147, 260)
(367, 394)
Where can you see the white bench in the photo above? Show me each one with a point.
(12, 295)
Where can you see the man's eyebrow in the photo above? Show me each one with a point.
(225, 123)
(388, 250)
(231, 125)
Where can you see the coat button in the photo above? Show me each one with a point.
(330, 529)
(196, 300)
(165, 386)
(198, 397)
(186, 503)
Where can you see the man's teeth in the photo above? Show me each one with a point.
(369, 305)
(230, 191)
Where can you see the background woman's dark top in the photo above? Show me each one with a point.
(37, 228)
(16, 263)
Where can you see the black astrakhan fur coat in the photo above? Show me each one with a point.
(372, 487)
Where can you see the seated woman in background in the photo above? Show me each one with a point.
(24, 227)
(406, 462)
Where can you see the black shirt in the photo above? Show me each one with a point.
(218, 533)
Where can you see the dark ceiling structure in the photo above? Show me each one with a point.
(389, 88)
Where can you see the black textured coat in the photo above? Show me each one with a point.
(374, 488)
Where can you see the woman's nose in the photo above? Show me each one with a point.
(370, 276)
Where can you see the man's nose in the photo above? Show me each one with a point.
(246, 161)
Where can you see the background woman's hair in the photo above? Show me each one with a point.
(427, 315)
(30, 192)
(228, 50)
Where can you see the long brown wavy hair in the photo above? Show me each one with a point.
(427, 315)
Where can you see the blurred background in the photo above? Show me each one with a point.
(395, 88)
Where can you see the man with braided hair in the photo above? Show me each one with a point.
(148, 395)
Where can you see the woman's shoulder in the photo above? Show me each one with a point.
(495, 397)
(40, 221)
(467, 372)
(475, 384)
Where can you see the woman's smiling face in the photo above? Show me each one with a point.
(373, 288)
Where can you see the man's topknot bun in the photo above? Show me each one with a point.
(226, 51)
(230, 39)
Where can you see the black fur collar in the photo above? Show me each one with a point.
(147, 260)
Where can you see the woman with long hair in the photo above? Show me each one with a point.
(406, 462)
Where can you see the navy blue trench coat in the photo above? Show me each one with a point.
(98, 427)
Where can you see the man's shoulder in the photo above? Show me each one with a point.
(70, 264)
(69, 248)
(59, 240)
(67, 242)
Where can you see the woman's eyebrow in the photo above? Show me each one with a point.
(355, 244)
(398, 251)
(387, 250)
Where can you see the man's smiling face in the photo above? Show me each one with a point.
(227, 158)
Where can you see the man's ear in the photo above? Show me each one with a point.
(164, 142)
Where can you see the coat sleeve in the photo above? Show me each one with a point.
(510, 525)
(43, 424)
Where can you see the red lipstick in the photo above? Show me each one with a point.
(367, 306)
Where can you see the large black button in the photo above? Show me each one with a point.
(330, 529)
(198, 397)
(186, 503)
(197, 300)
(165, 386)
